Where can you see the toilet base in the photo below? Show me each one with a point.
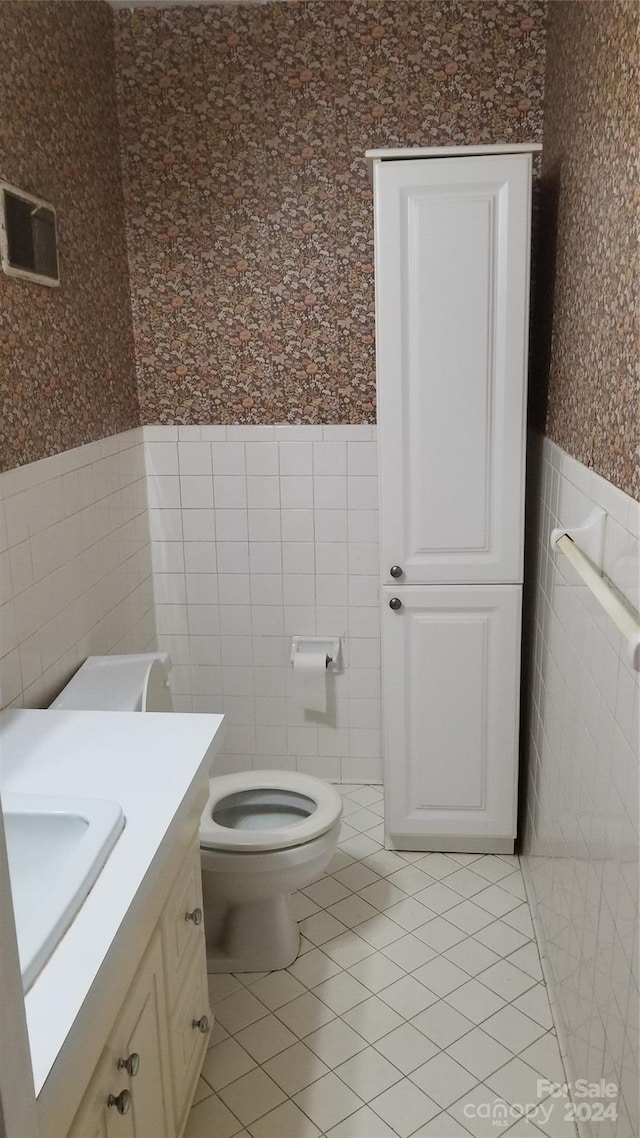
(258, 936)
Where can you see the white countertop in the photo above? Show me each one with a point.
(147, 763)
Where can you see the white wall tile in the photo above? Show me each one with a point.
(581, 831)
(264, 559)
(76, 563)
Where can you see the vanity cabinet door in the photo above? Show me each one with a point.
(140, 1042)
(95, 1118)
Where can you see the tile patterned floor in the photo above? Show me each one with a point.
(417, 991)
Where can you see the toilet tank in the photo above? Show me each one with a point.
(119, 683)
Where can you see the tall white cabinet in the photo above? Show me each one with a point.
(452, 240)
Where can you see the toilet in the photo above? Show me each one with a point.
(263, 834)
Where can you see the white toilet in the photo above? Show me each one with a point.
(263, 834)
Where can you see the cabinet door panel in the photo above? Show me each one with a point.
(95, 1119)
(452, 276)
(451, 661)
(142, 1029)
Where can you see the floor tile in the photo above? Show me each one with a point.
(443, 1079)
(406, 1047)
(506, 980)
(500, 938)
(252, 1096)
(239, 1010)
(382, 894)
(411, 879)
(438, 897)
(356, 876)
(376, 972)
(466, 882)
(352, 911)
(404, 1107)
(391, 1002)
(380, 931)
(516, 1082)
(203, 1090)
(368, 1074)
(439, 934)
(265, 1038)
(276, 989)
(535, 1004)
(314, 967)
(442, 1024)
(442, 1126)
(326, 892)
(440, 975)
(286, 1121)
(342, 992)
(438, 865)
(409, 952)
(528, 960)
(476, 1122)
(468, 917)
(321, 927)
(544, 1056)
(409, 914)
(335, 1042)
(475, 1001)
(225, 1063)
(407, 997)
(295, 1068)
(363, 1124)
(211, 1117)
(328, 1101)
(302, 906)
(304, 1015)
(373, 1019)
(479, 1053)
(471, 955)
(347, 949)
(492, 868)
(512, 1028)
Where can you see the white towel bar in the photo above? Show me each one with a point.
(623, 616)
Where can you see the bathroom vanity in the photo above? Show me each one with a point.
(118, 1017)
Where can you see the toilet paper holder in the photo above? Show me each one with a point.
(330, 644)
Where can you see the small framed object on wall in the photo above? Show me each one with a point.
(28, 244)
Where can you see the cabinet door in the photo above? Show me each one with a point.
(452, 283)
(451, 664)
(141, 1031)
(95, 1118)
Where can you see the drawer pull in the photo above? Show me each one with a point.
(130, 1065)
(201, 1024)
(395, 603)
(195, 915)
(122, 1102)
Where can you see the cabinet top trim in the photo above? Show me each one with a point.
(405, 153)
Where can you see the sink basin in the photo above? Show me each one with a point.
(56, 849)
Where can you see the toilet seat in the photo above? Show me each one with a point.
(288, 789)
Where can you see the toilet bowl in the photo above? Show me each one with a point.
(263, 834)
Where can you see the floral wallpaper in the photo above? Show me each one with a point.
(66, 354)
(590, 192)
(249, 213)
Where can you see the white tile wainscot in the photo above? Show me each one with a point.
(75, 565)
(581, 835)
(259, 534)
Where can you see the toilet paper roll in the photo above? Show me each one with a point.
(310, 680)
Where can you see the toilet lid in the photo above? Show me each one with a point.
(267, 810)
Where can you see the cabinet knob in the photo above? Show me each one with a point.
(396, 571)
(122, 1102)
(130, 1065)
(195, 915)
(201, 1024)
(395, 603)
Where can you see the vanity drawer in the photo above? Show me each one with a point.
(189, 1029)
(183, 925)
